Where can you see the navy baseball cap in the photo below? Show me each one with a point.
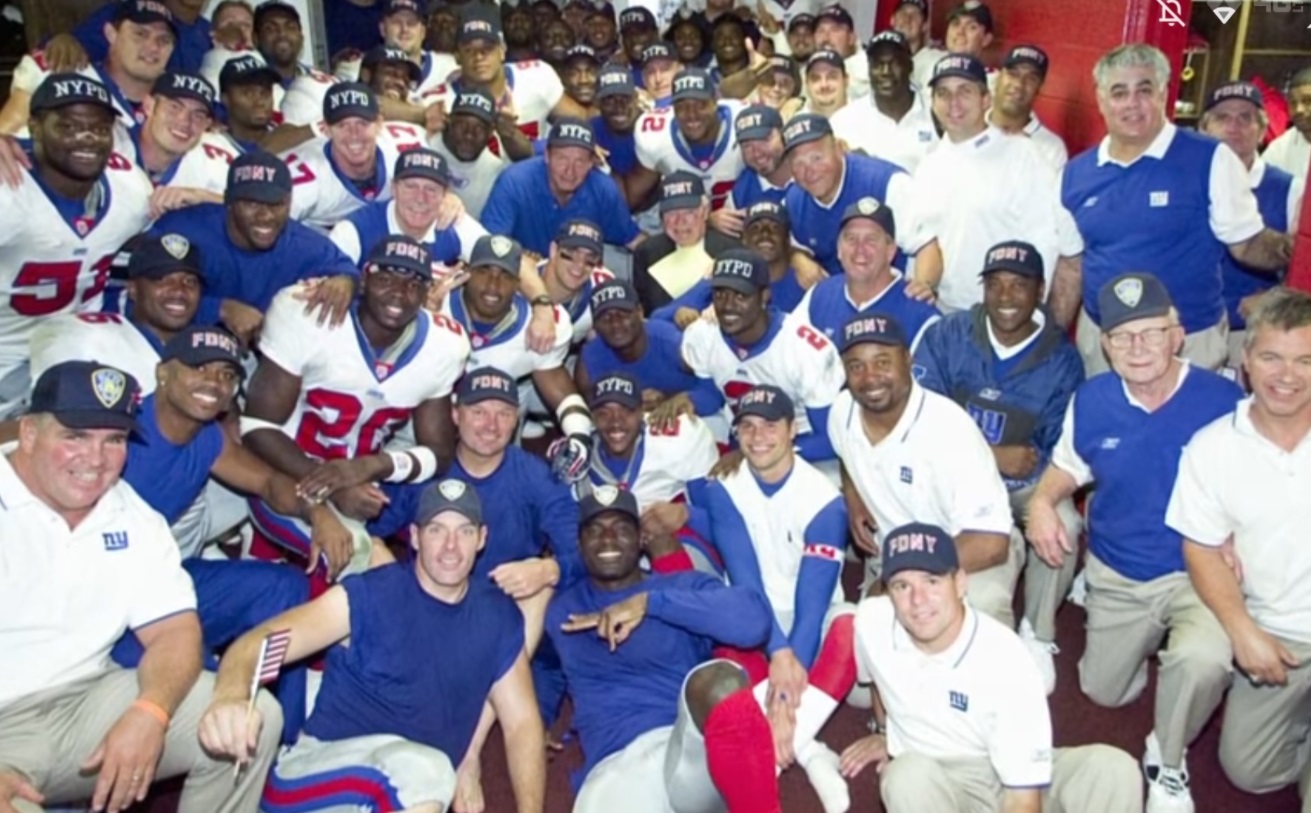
(487, 384)
(872, 209)
(638, 17)
(498, 251)
(1136, 295)
(449, 495)
(741, 270)
(397, 6)
(783, 64)
(198, 345)
(1027, 55)
(804, 128)
(598, 8)
(757, 122)
(800, 20)
(918, 546)
(1246, 91)
(613, 294)
(185, 85)
(616, 388)
(87, 395)
(144, 12)
(765, 401)
(478, 27)
(571, 132)
(826, 56)
(960, 65)
(607, 498)
(922, 5)
(973, 8)
(397, 252)
(615, 80)
(275, 7)
(681, 190)
(385, 55)
(422, 163)
(579, 233)
(837, 14)
(693, 83)
(657, 50)
(1015, 256)
(891, 38)
(873, 328)
(258, 176)
(155, 257)
(767, 210)
(346, 100)
(64, 89)
(582, 52)
(247, 70)
(475, 102)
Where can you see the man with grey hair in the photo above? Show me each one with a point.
(1243, 478)
(1235, 114)
(1139, 198)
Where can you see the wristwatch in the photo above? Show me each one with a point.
(543, 300)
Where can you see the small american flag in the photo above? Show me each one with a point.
(272, 652)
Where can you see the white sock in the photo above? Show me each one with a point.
(823, 769)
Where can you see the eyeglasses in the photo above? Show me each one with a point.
(1152, 337)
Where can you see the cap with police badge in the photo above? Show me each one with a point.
(247, 69)
(974, 9)
(568, 131)
(741, 270)
(767, 210)
(275, 7)
(479, 28)
(1137, 295)
(144, 12)
(582, 52)
(64, 89)
(918, 546)
(497, 251)
(184, 85)
(449, 495)
(1027, 55)
(422, 163)
(258, 176)
(603, 499)
(87, 395)
(386, 55)
(579, 233)
(475, 102)
(868, 208)
(804, 128)
(756, 123)
(693, 83)
(616, 388)
(155, 257)
(837, 14)
(826, 56)
(346, 100)
(1015, 256)
(681, 190)
(398, 252)
(487, 384)
(765, 401)
(798, 20)
(891, 38)
(872, 328)
(637, 17)
(657, 50)
(615, 80)
(963, 66)
(1246, 91)
(198, 345)
(611, 295)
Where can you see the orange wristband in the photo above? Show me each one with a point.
(153, 709)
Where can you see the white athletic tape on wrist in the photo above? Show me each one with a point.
(402, 466)
(249, 424)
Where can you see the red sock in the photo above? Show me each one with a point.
(740, 755)
(675, 562)
(834, 671)
(752, 660)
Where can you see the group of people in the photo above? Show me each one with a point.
(531, 351)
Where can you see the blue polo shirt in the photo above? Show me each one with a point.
(371, 225)
(750, 189)
(522, 206)
(815, 226)
(828, 307)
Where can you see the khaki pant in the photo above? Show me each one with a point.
(45, 738)
(1207, 348)
(1127, 620)
(1091, 779)
(1265, 741)
(1045, 587)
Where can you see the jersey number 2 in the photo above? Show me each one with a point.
(329, 418)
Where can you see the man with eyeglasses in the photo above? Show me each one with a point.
(1125, 432)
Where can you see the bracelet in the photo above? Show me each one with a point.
(153, 709)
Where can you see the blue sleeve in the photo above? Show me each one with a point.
(733, 542)
(557, 517)
(498, 213)
(705, 396)
(1069, 369)
(617, 224)
(698, 298)
(707, 607)
(509, 636)
(821, 567)
(742, 191)
(929, 362)
(208, 312)
(91, 34)
(326, 260)
(815, 444)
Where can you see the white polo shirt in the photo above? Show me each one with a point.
(934, 466)
(905, 143)
(1050, 146)
(980, 697)
(1232, 480)
(990, 188)
(67, 596)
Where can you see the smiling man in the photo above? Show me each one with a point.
(1291, 152)
(894, 122)
(463, 143)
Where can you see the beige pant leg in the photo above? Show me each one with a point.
(1088, 338)
(1208, 348)
(1194, 673)
(1124, 627)
(1094, 779)
(913, 783)
(1265, 741)
(1045, 587)
(992, 591)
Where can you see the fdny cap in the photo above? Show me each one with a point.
(63, 89)
(1136, 295)
(385, 55)
(741, 270)
(475, 102)
(872, 328)
(975, 9)
(693, 83)
(478, 27)
(258, 176)
(616, 388)
(757, 122)
(804, 128)
(826, 56)
(613, 294)
(579, 233)
(144, 12)
(155, 257)
(767, 210)
(487, 384)
(398, 252)
(1027, 55)
(1246, 91)
(449, 495)
(422, 163)
(87, 395)
(960, 65)
(198, 345)
(615, 80)
(497, 251)
(918, 546)
(681, 190)
(185, 85)
(571, 132)
(607, 498)
(247, 69)
(346, 100)
(1015, 256)
(874, 210)
(765, 401)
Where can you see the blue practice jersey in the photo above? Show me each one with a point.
(169, 477)
(659, 368)
(828, 307)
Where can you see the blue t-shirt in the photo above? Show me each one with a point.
(348, 25)
(169, 477)
(621, 147)
(660, 367)
(371, 225)
(816, 227)
(830, 308)
(522, 206)
(188, 54)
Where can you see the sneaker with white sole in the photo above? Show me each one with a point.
(1167, 788)
(1041, 652)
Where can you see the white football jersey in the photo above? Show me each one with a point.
(32, 71)
(471, 181)
(49, 266)
(204, 166)
(302, 101)
(321, 196)
(663, 464)
(533, 89)
(506, 347)
(104, 337)
(796, 358)
(660, 147)
(352, 401)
